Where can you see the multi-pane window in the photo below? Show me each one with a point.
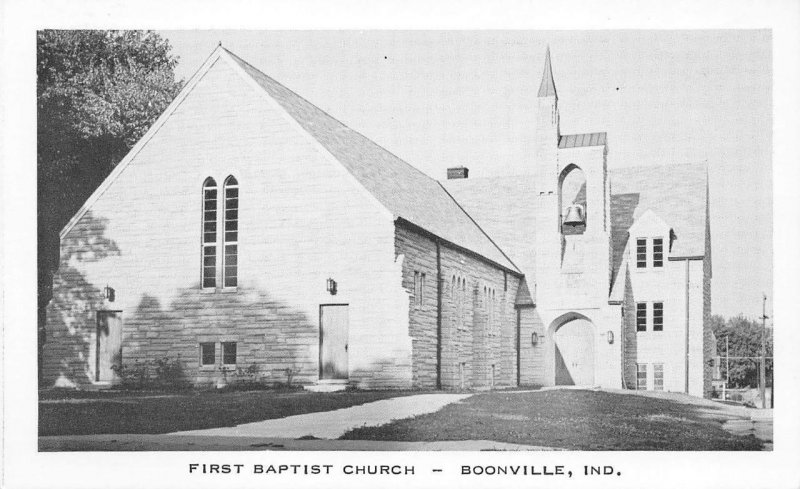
(207, 354)
(229, 353)
(658, 252)
(641, 376)
(641, 252)
(231, 236)
(209, 278)
(658, 376)
(641, 316)
(658, 316)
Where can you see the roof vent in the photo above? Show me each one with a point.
(457, 172)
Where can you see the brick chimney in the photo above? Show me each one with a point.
(457, 172)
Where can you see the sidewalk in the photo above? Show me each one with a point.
(333, 424)
(111, 443)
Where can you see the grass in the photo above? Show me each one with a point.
(571, 419)
(117, 412)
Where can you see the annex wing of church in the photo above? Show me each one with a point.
(249, 231)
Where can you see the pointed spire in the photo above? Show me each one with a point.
(548, 86)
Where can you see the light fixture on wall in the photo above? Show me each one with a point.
(610, 337)
(534, 338)
(331, 286)
(108, 293)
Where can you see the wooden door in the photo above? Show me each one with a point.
(109, 344)
(334, 323)
(574, 353)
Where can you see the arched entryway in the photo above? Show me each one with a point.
(573, 351)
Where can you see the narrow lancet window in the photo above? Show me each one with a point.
(231, 236)
(209, 242)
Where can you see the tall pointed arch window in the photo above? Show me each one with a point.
(209, 244)
(231, 234)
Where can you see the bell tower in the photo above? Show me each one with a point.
(572, 208)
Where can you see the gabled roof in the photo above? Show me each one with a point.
(403, 190)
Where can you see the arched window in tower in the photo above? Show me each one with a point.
(572, 200)
(231, 236)
(209, 241)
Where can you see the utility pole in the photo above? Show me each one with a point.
(727, 371)
(762, 374)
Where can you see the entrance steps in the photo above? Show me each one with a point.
(327, 386)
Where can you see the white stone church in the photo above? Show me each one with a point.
(250, 231)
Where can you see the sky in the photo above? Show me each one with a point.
(439, 99)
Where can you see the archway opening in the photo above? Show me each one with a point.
(572, 201)
(574, 344)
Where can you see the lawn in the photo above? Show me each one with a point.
(571, 419)
(83, 413)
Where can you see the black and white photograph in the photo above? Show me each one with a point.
(275, 255)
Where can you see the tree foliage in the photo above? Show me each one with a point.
(744, 340)
(97, 93)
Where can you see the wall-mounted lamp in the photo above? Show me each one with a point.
(534, 339)
(331, 286)
(610, 337)
(108, 293)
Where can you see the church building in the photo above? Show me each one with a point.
(249, 233)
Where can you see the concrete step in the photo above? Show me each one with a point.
(327, 386)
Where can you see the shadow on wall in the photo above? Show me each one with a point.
(631, 338)
(623, 207)
(563, 376)
(275, 343)
(72, 312)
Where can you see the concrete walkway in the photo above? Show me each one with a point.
(130, 443)
(333, 424)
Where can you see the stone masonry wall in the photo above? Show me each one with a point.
(478, 328)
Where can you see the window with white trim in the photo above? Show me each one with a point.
(658, 376)
(641, 316)
(658, 252)
(658, 316)
(641, 376)
(231, 234)
(209, 241)
(641, 253)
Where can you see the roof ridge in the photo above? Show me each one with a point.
(479, 226)
(331, 124)
(332, 117)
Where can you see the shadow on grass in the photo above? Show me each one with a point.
(571, 419)
(154, 412)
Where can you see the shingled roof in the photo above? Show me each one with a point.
(403, 190)
(676, 193)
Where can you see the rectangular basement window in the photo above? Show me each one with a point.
(641, 376)
(658, 376)
(229, 353)
(207, 354)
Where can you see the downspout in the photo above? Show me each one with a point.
(686, 380)
(438, 315)
(622, 346)
(519, 344)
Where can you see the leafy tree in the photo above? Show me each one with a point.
(97, 93)
(744, 340)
